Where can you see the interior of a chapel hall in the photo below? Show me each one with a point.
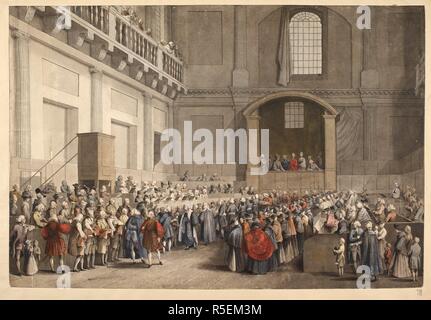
(95, 89)
(96, 86)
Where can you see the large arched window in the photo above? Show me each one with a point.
(305, 37)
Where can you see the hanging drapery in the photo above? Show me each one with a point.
(283, 57)
(349, 127)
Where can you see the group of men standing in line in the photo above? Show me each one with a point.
(261, 232)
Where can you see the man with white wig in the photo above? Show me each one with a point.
(17, 240)
(370, 251)
(396, 193)
(355, 241)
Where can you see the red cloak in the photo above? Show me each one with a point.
(55, 245)
(258, 245)
(293, 165)
(152, 230)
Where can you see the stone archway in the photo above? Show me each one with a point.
(251, 113)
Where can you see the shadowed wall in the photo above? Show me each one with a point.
(282, 141)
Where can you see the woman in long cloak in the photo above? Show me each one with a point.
(208, 228)
(235, 258)
(370, 251)
(187, 229)
(400, 260)
(274, 260)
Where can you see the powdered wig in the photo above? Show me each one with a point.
(408, 229)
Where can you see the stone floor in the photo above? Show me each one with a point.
(199, 269)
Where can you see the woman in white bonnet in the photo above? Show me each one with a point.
(17, 239)
(400, 261)
(30, 264)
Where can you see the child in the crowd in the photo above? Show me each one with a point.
(415, 258)
(339, 256)
(388, 256)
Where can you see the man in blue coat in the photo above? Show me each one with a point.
(133, 247)
(165, 218)
(187, 229)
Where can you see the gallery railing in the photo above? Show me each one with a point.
(120, 29)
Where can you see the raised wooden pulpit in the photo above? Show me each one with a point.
(96, 160)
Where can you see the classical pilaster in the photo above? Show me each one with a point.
(96, 100)
(253, 122)
(369, 122)
(330, 153)
(22, 95)
(240, 74)
(148, 133)
(369, 72)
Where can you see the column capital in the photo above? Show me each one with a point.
(147, 95)
(329, 116)
(253, 117)
(94, 69)
(19, 34)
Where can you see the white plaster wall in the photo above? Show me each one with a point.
(39, 92)
(161, 121)
(136, 150)
(227, 117)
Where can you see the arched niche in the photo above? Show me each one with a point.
(251, 113)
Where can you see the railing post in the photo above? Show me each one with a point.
(159, 61)
(112, 32)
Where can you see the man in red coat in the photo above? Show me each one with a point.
(55, 245)
(259, 249)
(153, 233)
(293, 165)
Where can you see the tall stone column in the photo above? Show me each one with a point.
(240, 73)
(330, 152)
(22, 95)
(96, 100)
(253, 122)
(148, 133)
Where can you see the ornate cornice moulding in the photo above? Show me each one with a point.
(222, 92)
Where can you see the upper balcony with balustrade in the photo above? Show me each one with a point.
(110, 33)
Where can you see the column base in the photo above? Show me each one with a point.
(330, 180)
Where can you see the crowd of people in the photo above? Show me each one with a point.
(283, 163)
(414, 205)
(261, 231)
(159, 192)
